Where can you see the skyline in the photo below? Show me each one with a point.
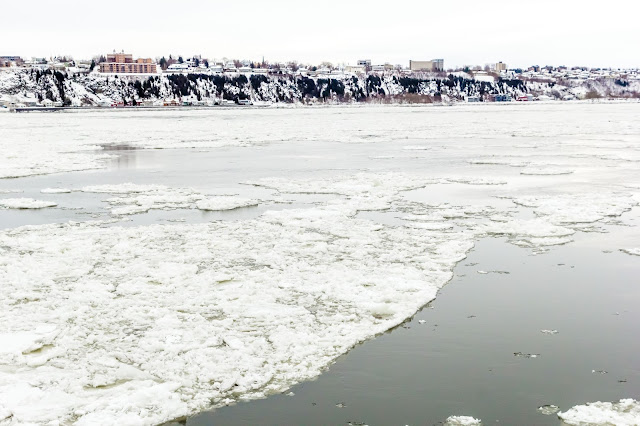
(466, 33)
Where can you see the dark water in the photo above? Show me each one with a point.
(461, 360)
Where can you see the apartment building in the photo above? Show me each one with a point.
(123, 63)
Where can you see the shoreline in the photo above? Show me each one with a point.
(283, 105)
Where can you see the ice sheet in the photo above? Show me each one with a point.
(25, 203)
(626, 412)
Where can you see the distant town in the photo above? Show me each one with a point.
(123, 63)
(244, 82)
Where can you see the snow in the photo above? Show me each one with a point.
(462, 421)
(626, 412)
(25, 203)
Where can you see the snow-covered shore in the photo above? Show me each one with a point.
(28, 86)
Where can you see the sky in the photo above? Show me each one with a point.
(462, 32)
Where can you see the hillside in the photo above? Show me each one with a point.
(96, 89)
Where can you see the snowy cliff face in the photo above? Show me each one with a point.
(96, 89)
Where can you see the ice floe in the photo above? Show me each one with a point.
(134, 199)
(524, 355)
(225, 203)
(626, 412)
(549, 409)
(568, 209)
(25, 203)
(462, 421)
(540, 171)
(631, 251)
(184, 316)
(55, 190)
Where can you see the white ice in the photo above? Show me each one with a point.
(462, 421)
(225, 203)
(25, 203)
(631, 251)
(55, 190)
(626, 412)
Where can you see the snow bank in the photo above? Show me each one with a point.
(626, 412)
(25, 203)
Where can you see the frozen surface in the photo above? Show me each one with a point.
(198, 317)
(225, 203)
(101, 323)
(626, 412)
(136, 199)
(25, 203)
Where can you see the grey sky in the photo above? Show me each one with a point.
(520, 33)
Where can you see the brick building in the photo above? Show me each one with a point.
(123, 63)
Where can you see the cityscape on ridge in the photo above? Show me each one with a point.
(419, 81)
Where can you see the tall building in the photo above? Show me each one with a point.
(432, 65)
(124, 63)
(500, 66)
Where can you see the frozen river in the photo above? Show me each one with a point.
(157, 264)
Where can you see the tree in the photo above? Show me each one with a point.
(180, 60)
(163, 63)
(93, 65)
(197, 62)
(206, 63)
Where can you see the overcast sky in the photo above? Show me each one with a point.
(463, 32)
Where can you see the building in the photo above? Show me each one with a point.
(8, 61)
(500, 66)
(432, 65)
(355, 69)
(364, 63)
(123, 63)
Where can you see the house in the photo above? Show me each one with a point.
(178, 68)
(355, 69)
